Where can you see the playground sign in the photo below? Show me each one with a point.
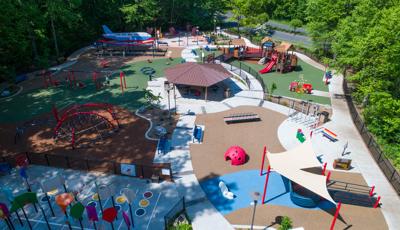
(128, 169)
(165, 172)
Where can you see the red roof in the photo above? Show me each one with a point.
(196, 74)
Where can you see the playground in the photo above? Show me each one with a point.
(311, 75)
(241, 180)
(108, 113)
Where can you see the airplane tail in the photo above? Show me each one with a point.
(106, 29)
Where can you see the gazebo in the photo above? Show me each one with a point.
(197, 74)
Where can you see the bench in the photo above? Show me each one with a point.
(198, 134)
(162, 145)
(241, 117)
(342, 163)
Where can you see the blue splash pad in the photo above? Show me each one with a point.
(244, 183)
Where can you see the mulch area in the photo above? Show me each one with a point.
(208, 157)
(126, 145)
(357, 217)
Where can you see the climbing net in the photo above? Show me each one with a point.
(85, 124)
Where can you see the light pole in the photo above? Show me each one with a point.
(256, 196)
(197, 35)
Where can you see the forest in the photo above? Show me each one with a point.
(357, 37)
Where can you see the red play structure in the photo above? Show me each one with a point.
(236, 154)
(80, 124)
(300, 87)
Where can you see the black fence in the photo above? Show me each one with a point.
(155, 172)
(244, 67)
(383, 162)
(176, 210)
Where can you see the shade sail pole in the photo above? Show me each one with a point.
(206, 94)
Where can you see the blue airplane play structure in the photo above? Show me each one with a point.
(125, 39)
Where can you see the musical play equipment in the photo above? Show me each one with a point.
(236, 154)
(241, 117)
(225, 191)
(329, 135)
(300, 136)
(300, 87)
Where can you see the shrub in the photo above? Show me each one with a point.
(286, 223)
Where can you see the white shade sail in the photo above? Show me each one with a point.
(292, 164)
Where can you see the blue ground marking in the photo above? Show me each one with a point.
(243, 184)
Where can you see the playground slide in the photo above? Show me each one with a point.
(269, 67)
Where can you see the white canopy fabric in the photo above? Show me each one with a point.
(291, 164)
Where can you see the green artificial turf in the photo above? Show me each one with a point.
(311, 75)
(30, 104)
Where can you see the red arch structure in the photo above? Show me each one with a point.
(85, 123)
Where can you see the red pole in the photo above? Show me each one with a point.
(324, 169)
(120, 82)
(311, 134)
(371, 192)
(266, 184)
(377, 202)
(336, 215)
(328, 177)
(263, 159)
(123, 76)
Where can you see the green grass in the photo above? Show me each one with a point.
(30, 104)
(311, 75)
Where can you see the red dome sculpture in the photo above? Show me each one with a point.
(236, 154)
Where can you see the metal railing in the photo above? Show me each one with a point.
(383, 162)
(174, 212)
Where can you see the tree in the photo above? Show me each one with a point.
(140, 13)
(249, 13)
(296, 23)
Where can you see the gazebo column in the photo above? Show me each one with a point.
(205, 96)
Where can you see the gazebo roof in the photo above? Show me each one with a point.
(293, 164)
(197, 74)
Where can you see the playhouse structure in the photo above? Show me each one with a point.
(278, 57)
